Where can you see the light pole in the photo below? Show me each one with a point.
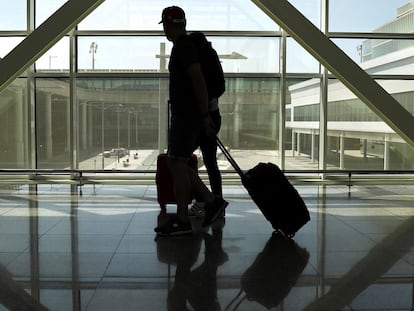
(120, 105)
(129, 131)
(92, 50)
(103, 133)
(136, 130)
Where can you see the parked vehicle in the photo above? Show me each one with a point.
(115, 152)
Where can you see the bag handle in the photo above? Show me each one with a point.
(230, 158)
(243, 298)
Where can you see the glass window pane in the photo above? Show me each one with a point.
(388, 56)
(207, 15)
(13, 15)
(56, 58)
(380, 56)
(124, 114)
(53, 123)
(248, 54)
(352, 47)
(311, 9)
(250, 116)
(298, 59)
(14, 120)
(120, 53)
(8, 43)
(350, 123)
(119, 121)
(302, 124)
(45, 8)
(244, 54)
(371, 16)
(357, 137)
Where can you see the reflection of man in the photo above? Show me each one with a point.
(198, 287)
(188, 118)
(183, 252)
(203, 290)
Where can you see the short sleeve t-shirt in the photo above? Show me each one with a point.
(182, 97)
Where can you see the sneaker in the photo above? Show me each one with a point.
(164, 220)
(174, 228)
(214, 210)
(197, 210)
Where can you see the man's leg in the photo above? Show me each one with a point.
(208, 146)
(183, 137)
(214, 205)
(182, 187)
(180, 144)
(208, 149)
(199, 188)
(187, 181)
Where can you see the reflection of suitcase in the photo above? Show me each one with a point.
(274, 195)
(164, 181)
(274, 272)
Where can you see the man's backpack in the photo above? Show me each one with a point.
(210, 65)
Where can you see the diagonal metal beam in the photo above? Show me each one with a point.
(341, 65)
(44, 37)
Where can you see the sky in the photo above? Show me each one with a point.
(201, 15)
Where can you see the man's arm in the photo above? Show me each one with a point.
(200, 88)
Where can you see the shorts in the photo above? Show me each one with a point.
(183, 137)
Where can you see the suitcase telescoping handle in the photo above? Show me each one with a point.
(230, 158)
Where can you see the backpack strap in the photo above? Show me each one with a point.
(199, 39)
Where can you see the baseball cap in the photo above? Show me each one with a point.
(172, 14)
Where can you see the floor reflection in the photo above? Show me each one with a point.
(96, 251)
(13, 296)
(196, 286)
(380, 259)
(273, 273)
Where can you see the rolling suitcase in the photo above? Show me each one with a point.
(164, 181)
(274, 195)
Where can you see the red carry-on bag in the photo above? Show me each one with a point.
(165, 183)
(164, 179)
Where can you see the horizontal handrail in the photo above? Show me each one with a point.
(110, 176)
(118, 171)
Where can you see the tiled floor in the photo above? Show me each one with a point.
(97, 252)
